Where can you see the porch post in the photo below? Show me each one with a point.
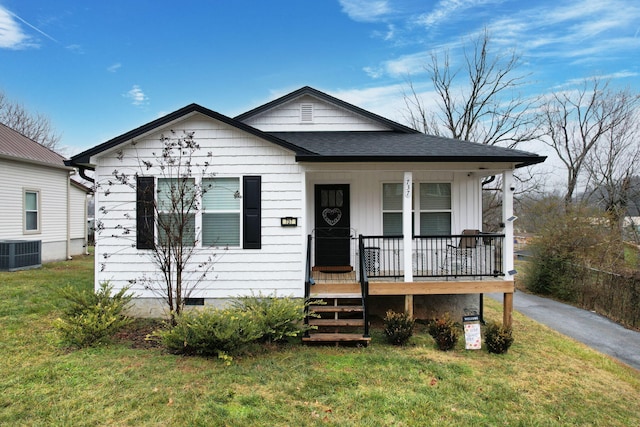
(508, 220)
(407, 206)
(507, 250)
(407, 232)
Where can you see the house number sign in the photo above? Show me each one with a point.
(289, 221)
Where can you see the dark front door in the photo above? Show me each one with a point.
(332, 225)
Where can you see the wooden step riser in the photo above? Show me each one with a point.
(336, 308)
(337, 322)
(336, 288)
(337, 338)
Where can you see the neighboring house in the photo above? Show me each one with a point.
(40, 203)
(326, 192)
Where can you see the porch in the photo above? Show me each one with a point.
(468, 263)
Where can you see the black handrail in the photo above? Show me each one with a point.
(364, 286)
(456, 255)
(308, 282)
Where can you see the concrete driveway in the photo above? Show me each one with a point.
(594, 330)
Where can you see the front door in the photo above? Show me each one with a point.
(332, 225)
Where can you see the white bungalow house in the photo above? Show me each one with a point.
(329, 201)
(43, 209)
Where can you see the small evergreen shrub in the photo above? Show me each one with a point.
(210, 332)
(277, 318)
(230, 331)
(445, 332)
(398, 327)
(497, 338)
(92, 318)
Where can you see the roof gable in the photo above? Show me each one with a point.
(16, 146)
(83, 159)
(289, 107)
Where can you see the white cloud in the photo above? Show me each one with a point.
(445, 9)
(11, 35)
(365, 10)
(137, 96)
(115, 67)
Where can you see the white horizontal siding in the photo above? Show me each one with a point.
(326, 117)
(51, 183)
(78, 213)
(276, 266)
(366, 197)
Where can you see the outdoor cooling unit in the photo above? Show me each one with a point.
(20, 254)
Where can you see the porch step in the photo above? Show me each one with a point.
(336, 308)
(337, 338)
(336, 322)
(326, 296)
(340, 320)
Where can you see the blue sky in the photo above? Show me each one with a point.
(100, 68)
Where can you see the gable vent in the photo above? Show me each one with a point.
(306, 113)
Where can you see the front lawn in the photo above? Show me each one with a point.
(545, 379)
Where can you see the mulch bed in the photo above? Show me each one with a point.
(135, 335)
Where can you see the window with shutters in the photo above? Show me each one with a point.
(224, 215)
(221, 212)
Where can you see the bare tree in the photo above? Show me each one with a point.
(611, 164)
(479, 101)
(32, 125)
(589, 129)
(168, 199)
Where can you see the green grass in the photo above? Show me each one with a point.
(545, 379)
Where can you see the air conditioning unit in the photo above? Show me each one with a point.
(20, 254)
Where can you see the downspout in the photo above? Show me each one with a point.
(71, 173)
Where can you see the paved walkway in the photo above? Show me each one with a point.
(594, 330)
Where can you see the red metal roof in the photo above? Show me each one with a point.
(17, 146)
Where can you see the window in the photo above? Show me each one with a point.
(31, 211)
(218, 212)
(434, 202)
(435, 208)
(221, 212)
(392, 209)
(176, 210)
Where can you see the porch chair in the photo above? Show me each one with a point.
(458, 259)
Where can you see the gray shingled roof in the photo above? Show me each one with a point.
(16, 146)
(396, 146)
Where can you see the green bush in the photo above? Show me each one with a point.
(445, 332)
(92, 318)
(398, 327)
(277, 318)
(223, 332)
(497, 338)
(210, 332)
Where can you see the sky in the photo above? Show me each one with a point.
(98, 69)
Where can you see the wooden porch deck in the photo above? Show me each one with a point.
(346, 283)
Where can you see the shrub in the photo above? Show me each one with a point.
(398, 327)
(445, 332)
(277, 318)
(92, 317)
(497, 338)
(210, 332)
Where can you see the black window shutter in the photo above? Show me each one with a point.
(251, 212)
(145, 197)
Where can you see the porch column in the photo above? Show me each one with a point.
(407, 232)
(508, 219)
(407, 206)
(507, 250)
